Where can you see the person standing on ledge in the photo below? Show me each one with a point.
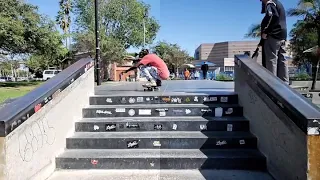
(275, 36)
(204, 69)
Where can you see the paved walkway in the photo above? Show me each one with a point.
(174, 87)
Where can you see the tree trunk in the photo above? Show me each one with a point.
(315, 70)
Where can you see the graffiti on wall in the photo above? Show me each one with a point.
(34, 137)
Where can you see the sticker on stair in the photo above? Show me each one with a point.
(177, 111)
(111, 127)
(157, 127)
(131, 112)
(161, 110)
(152, 164)
(174, 126)
(120, 110)
(147, 99)
(229, 111)
(187, 99)
(206, 110)
(139, 99)
(221, 143)
(218, 112)
(133, 144)
(210, 99)
(162, 113)
(203, 127)
(94, 161)
(166, 99)
(242, 142)
(123, 100)
(145, 112)
(96, 127)
(176, 100)
(188, 111)
(229, 127)
(224, 99)
(132, 126)
(109, 100)
(103, 112)
(132, 100)
(195, 99)
(156, 144)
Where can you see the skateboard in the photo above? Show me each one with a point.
(151, 88)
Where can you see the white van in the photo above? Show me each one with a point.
(47, 74)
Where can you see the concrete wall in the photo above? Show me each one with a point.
(305, 84)
(30, 150)
(279, 139)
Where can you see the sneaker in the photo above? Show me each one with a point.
(158, 82)
(151, 83)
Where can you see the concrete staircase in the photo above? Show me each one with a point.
(172, 132)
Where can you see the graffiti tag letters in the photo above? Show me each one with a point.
(34, 137)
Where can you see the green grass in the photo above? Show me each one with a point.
(9, 90)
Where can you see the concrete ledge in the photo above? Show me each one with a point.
(29, 151)
(281, 138)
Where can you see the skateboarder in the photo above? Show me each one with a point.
(152, 67)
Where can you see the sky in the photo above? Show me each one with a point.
(190, 23)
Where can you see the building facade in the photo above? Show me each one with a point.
(217, 52)
(222, 53)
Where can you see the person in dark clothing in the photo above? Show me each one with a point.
(263, 25)
(274, 35)
(204, 69)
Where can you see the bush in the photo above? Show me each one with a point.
(223, 77)
(301, 77)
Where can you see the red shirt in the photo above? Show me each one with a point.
(156, 61)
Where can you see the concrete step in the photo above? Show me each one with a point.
(162, 139)
(162, 110)
(160, 175)
(217, 98)
(181, 123)
(161, 159)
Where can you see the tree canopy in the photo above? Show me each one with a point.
(301, 40)
(310, 29)
(23, 30)
(119, 19)
(172, 54)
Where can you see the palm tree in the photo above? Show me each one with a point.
(64, 17)
(310, 11)
(254, 31)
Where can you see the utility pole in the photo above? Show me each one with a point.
(97, 58)
(144, 28)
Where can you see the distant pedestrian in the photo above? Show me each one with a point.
(186, 74)
(204, 69)
(275, 36)
(197, 75)
(120, 76)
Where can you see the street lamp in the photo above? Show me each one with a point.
(144, 28)
(97, 58)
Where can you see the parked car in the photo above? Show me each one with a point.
(5, 79)
(48, 74)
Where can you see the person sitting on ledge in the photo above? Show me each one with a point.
(152, 67)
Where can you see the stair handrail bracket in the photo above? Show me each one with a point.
(285, 122)
(19, 111)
